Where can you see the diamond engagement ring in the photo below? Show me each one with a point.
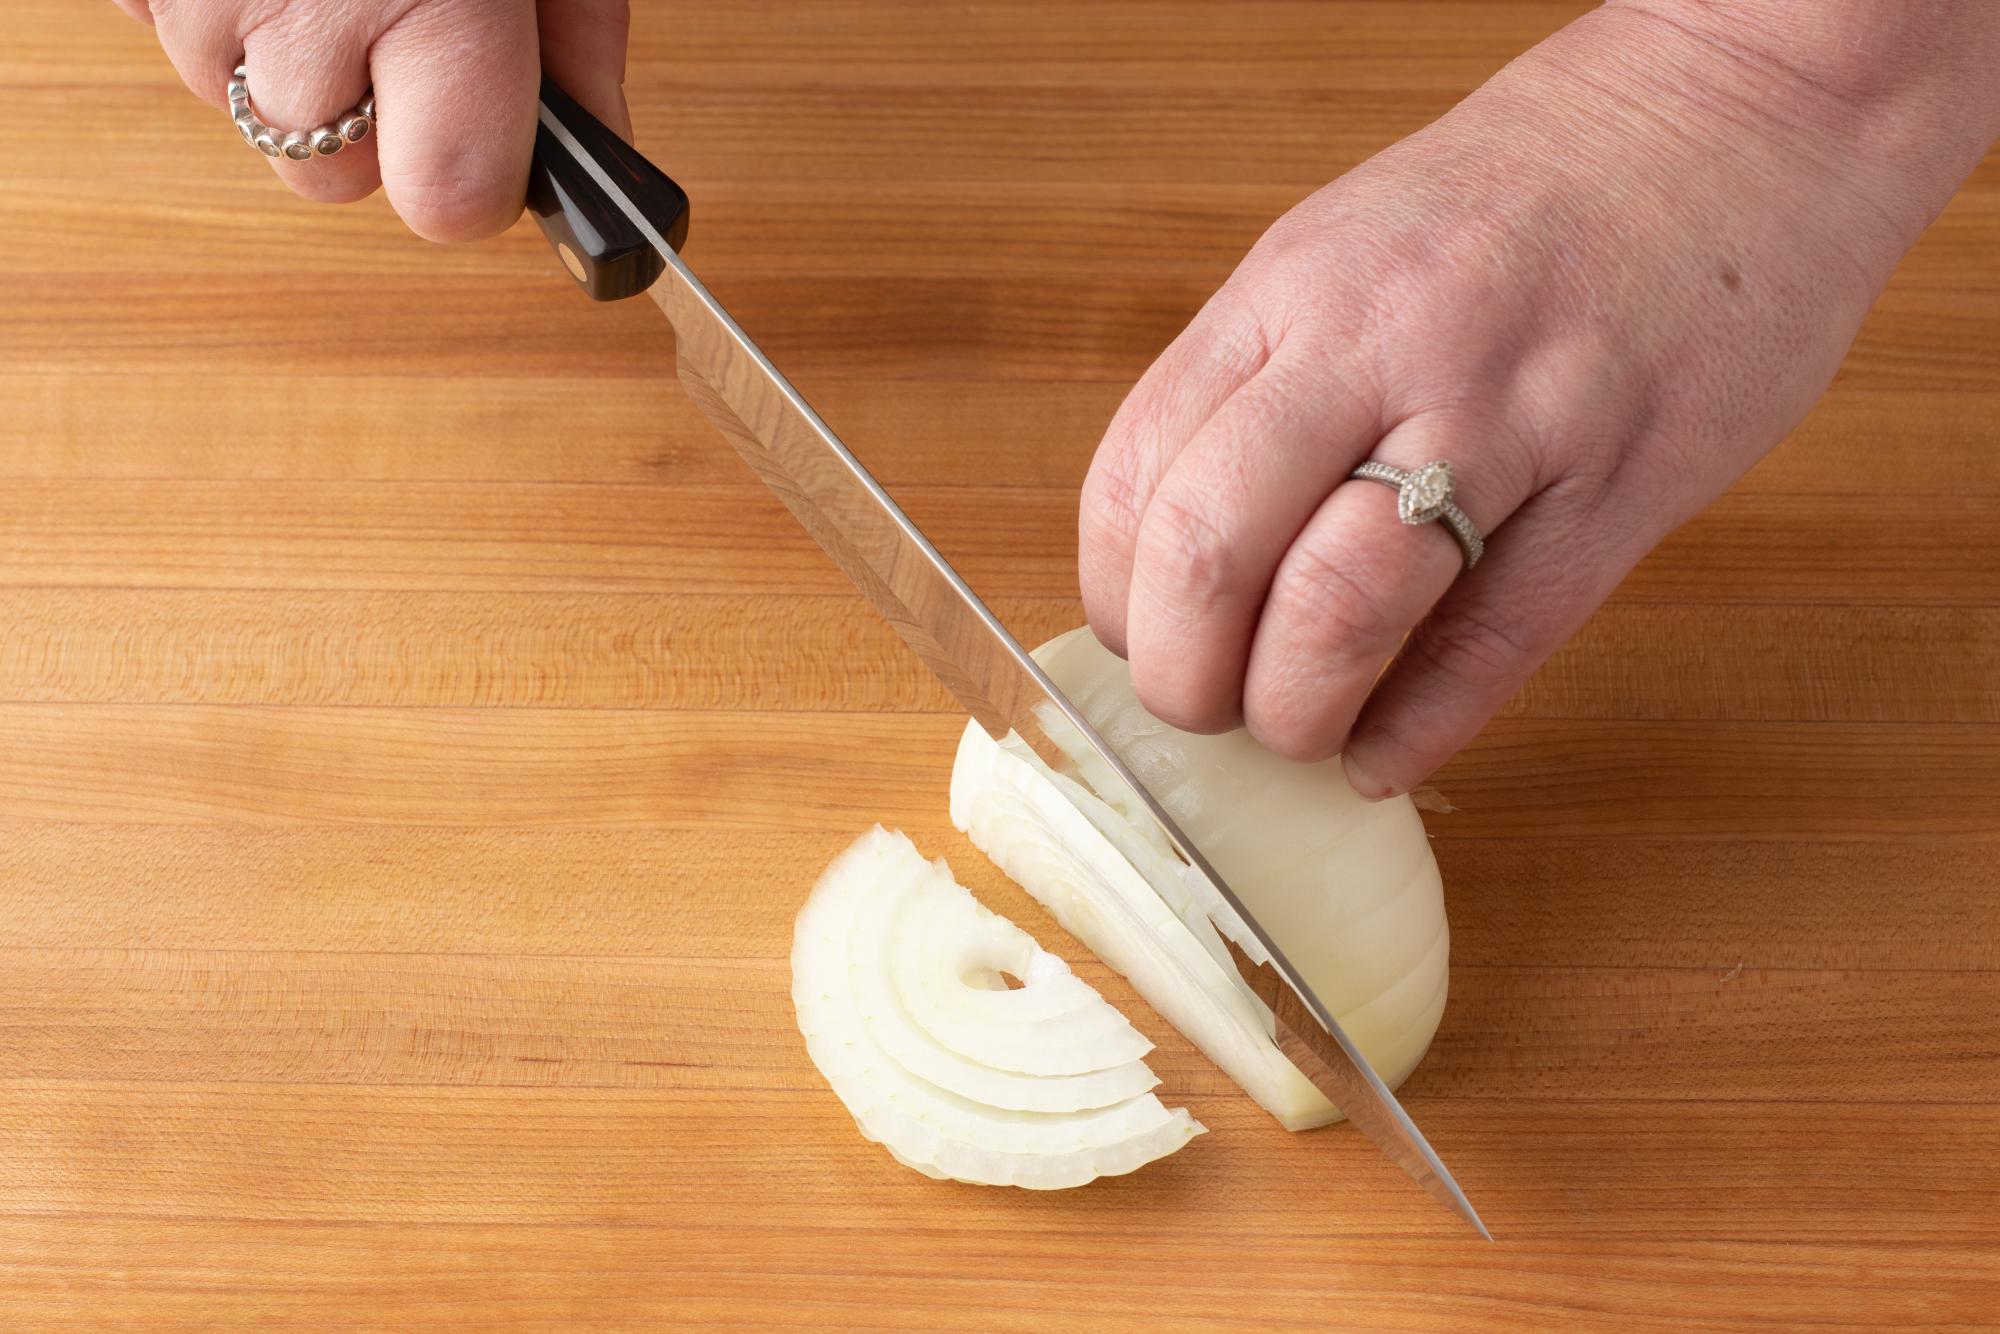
(298, 145)
(1424, 495)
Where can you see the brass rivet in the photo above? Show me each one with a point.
(570, 261)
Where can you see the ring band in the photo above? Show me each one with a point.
(1423, 495)
(350, 127)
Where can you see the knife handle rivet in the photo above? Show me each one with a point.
(570, 261)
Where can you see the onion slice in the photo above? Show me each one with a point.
(1347, 887)
(899, 981)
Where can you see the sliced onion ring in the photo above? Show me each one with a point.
(897, 977)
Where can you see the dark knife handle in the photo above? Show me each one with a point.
(602, 248)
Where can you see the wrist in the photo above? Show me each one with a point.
(1902, 95)
(1662, 115)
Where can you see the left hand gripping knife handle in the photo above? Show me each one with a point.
(602, 248)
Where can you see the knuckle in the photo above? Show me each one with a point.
(1109, 513)
(452, 206)
(1302, 740)
(1332, 632)
(1182, 690)
(1184, 558)
(1395, 756)
(1112, 507)
(1472, 647)
(1335, 608)
(1234, 340)
(1185, 580)
(1299, 704)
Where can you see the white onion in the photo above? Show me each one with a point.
(897, 977)
(1348, 888)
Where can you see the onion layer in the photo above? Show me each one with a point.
(1347, 887)
(899, 980)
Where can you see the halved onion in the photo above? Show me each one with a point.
(1348, 888)
(899, 980)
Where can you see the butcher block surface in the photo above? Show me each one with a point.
(418, 730)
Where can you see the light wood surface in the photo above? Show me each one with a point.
(417, 732)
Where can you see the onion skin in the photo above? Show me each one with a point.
(897, 982)
(1349, 888)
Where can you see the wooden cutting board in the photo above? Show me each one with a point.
(417, 732)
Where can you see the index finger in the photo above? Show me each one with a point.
(455, 107)
(1222, 348)
(583, 49)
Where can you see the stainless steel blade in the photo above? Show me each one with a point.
(917, 591)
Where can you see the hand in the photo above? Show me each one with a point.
(1601, 288)
(455, 89)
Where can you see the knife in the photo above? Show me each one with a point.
(617, 222)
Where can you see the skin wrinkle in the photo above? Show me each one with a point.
(295, 26)
(1617, 105)
(444, 194)
(1850, 105)
(1863, 74)
(1346, 610)
(1602, 205)
(1830, 106)
(1458, 429)
(1204, 582)
(1556, 228)
(1192, 558)
(1474, 646)
(1138, 451)
(1235, 351)
(1833, 175)
(1115, 505)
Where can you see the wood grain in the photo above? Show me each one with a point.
(505, 1020)
(725, 537)
(800, 770)
(1711, 905)
(645, 650)
(289, 1275)
(409, 770)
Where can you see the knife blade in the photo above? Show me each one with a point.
(617, 222)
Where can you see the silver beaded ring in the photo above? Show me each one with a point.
(299, 145)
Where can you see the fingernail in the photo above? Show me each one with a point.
(1366, 785)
